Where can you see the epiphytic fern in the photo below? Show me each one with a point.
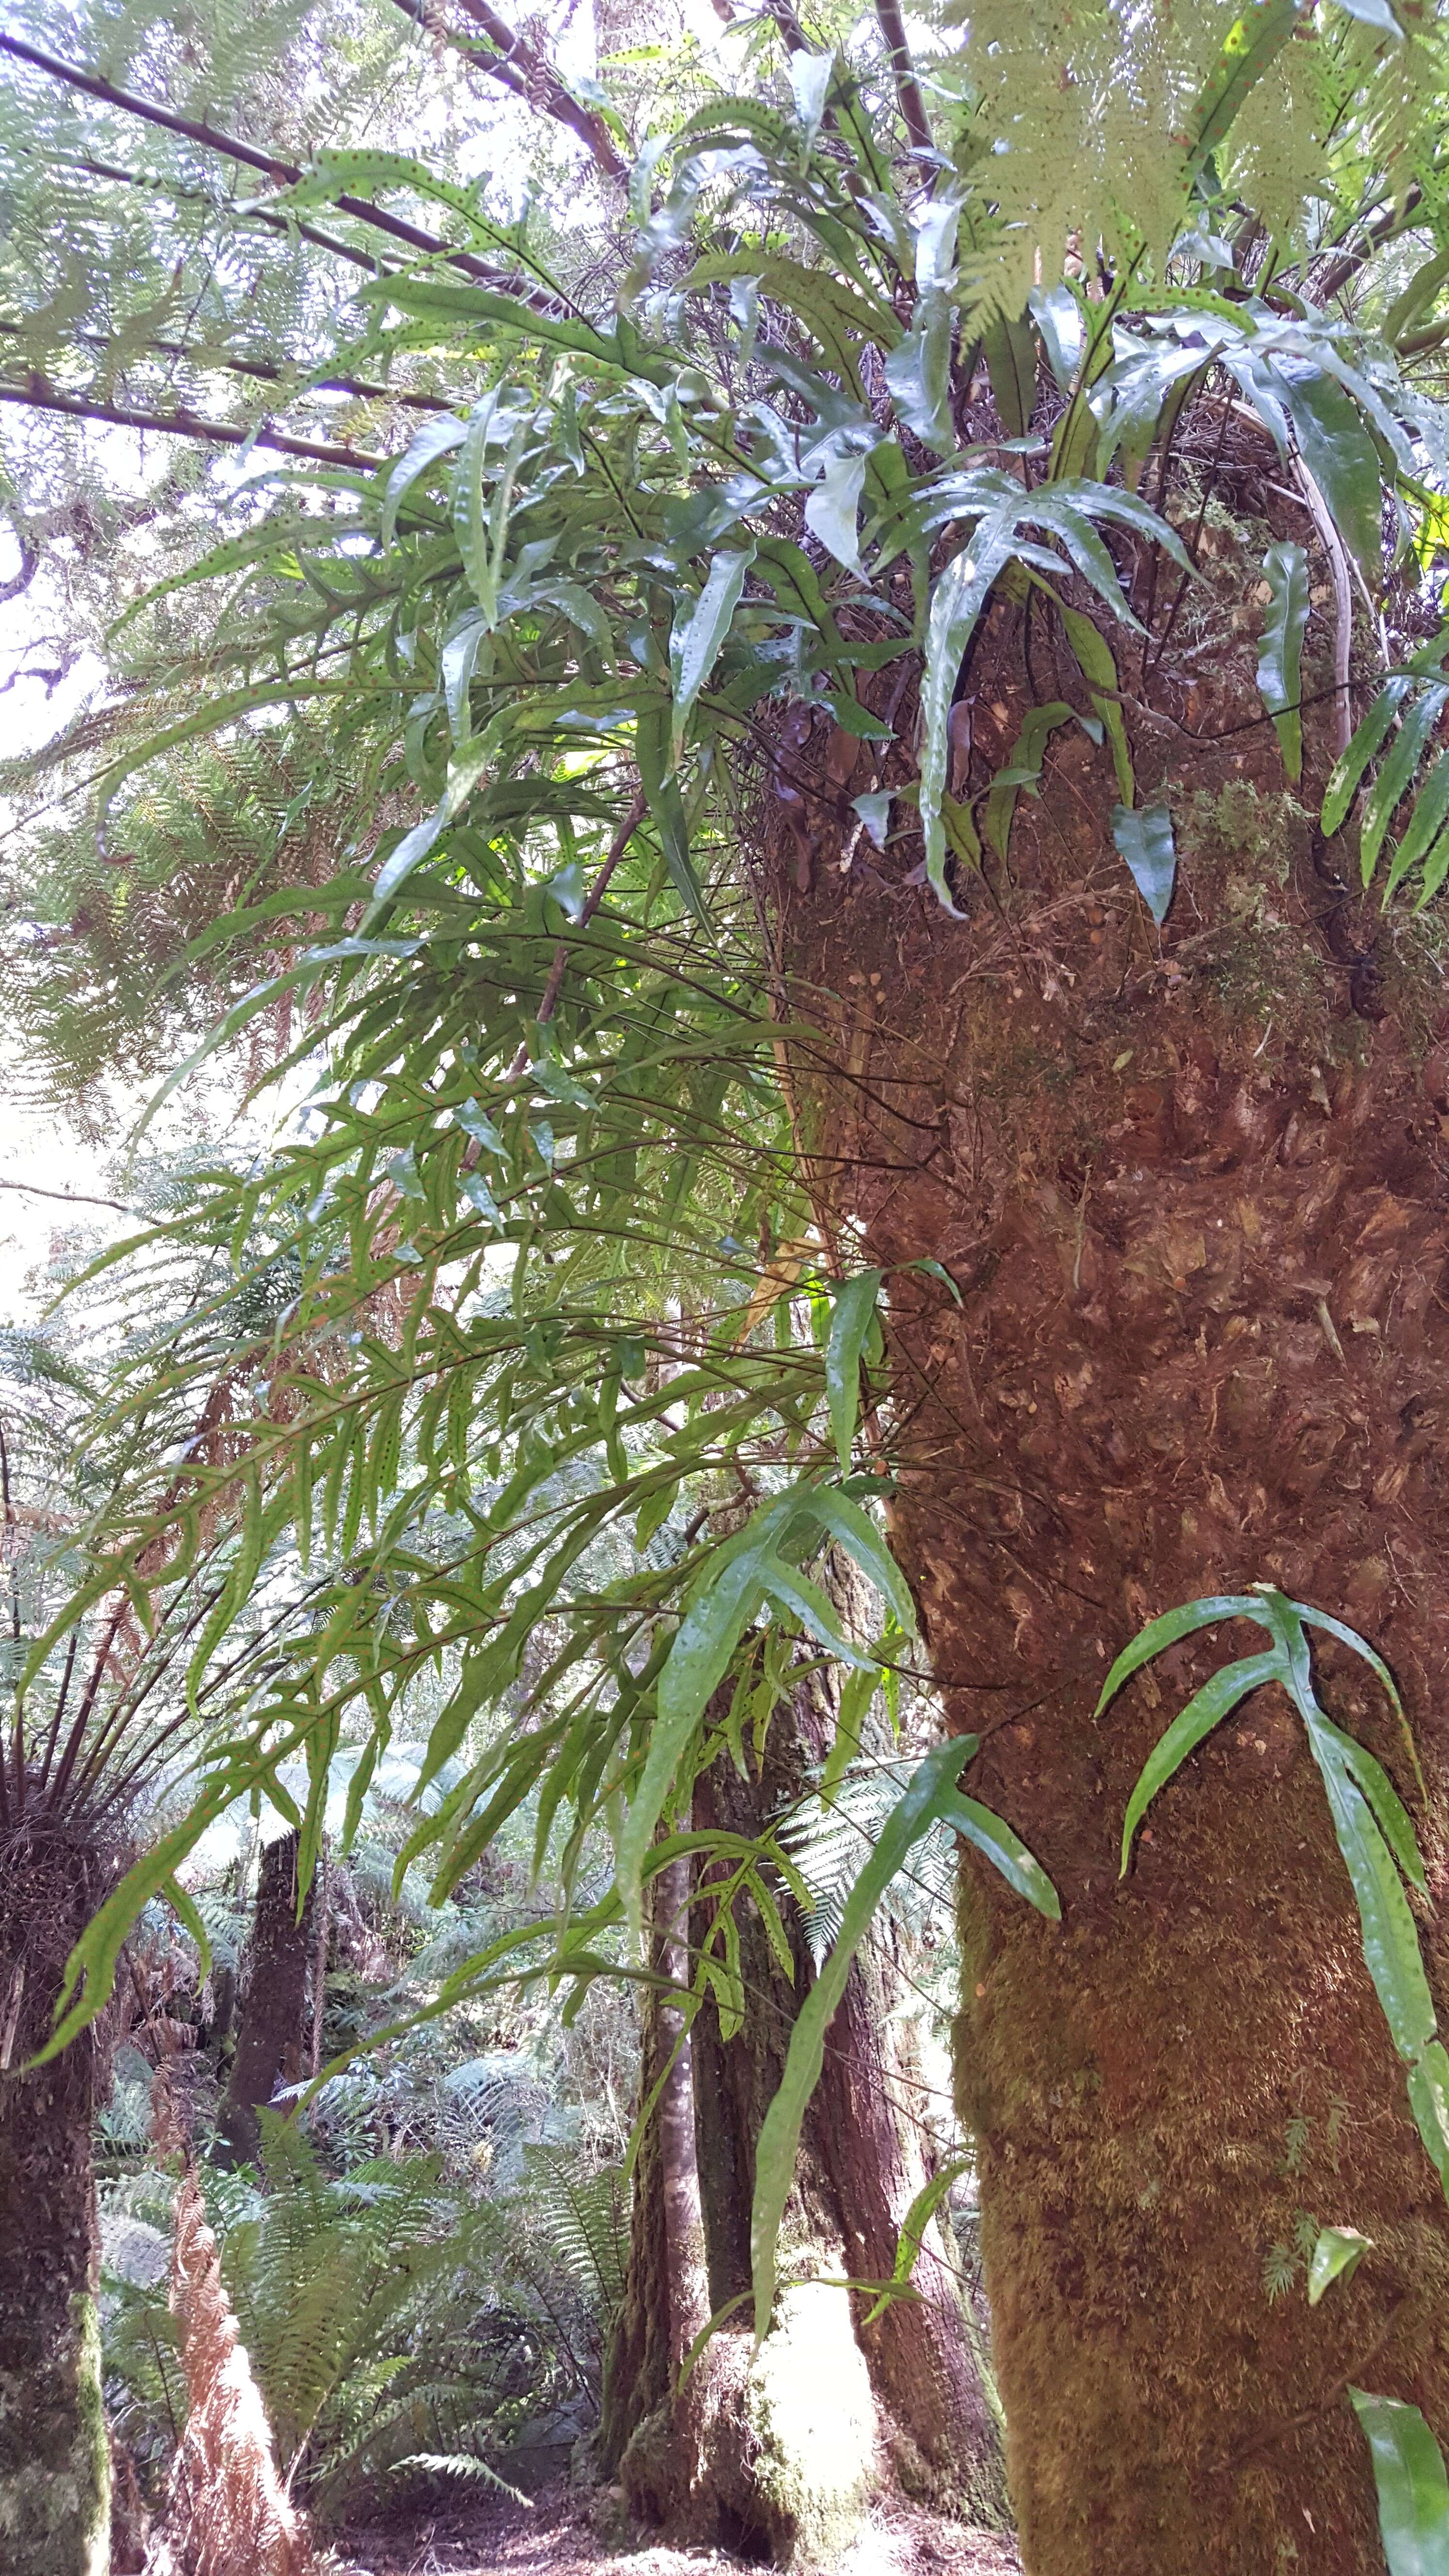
(830, 1838)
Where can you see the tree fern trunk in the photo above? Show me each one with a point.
(1190, 1191)
(270, 2038)
(784, 2450)
(54, 2455)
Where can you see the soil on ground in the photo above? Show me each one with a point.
(559, 2534)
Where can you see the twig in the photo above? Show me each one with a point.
(592, 901)
(38, 394)
(1273, 2432)
(1208, 482)
(69, 1198)
(221, 361)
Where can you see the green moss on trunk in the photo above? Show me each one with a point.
(54, 2454)
(55, 2474)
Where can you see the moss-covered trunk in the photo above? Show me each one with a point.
(54, 2458)
(270, 2035)
(1190, 1189)
(779, 2453)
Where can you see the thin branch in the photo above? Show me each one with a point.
(422, 15)
(70, 1198)
(913, 106)
(592, 901)
(175, 188)
(38, 394)
(1341, 271)
(29, 567)
(205, 360)
(285, 173)
(521, 67)
(1333, 547)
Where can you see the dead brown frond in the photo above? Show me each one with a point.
(228, 2513)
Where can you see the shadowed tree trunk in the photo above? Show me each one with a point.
(1190, 1187)
(779, 2454)
(54, 2455)
(270, 2033)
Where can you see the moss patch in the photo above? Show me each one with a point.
(55, 2491)
(811, 2423)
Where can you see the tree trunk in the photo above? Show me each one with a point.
(1189, 1187)
(688, 2284)
(270, 2037)
(54, 2455)
(652, 2427)
(778, 2454)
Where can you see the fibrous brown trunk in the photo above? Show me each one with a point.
(270, 2033)
(778, 2453)
(54, 2455)
(652, 2423)
(1190, 1189)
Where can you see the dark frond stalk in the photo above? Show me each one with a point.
(151, 179)
(792, 34)
(76, 1736)
(521, 66)
(913, 106)
(12, 1553)
(58, 1712)
(8, 1507)
(208, 360)
(1340, 271)
(284, 173)
(323, 1911)
(38, 394)
(426, 18)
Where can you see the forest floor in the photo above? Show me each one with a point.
(493, 2536)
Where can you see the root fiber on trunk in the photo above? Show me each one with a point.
(270, 2035)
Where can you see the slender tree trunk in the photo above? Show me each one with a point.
(678, 2157)
(270, 2037)
(652, 2425)
(322, 1943)
(54, 2455)
(1190, 1190)
(778, 2454)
